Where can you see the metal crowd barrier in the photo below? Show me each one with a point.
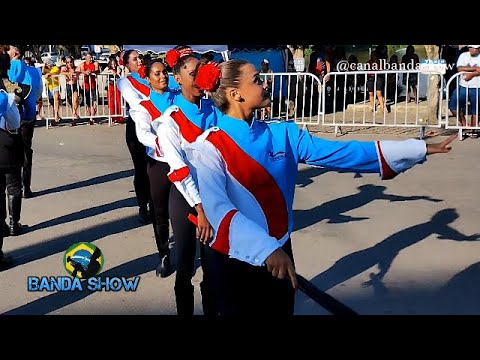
(294, 96)
(341, 100)
(347, 100)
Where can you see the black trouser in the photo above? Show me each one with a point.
(11, 181)
(185, 249)
(139, 158)
(240, 288)
(27, 136)
(159, 191)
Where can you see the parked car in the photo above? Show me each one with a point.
(49, 55)
(83, 51)
(104, 56)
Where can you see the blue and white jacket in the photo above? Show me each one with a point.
(9, 115)
(179, 126)
(146, 106)
(246, 176)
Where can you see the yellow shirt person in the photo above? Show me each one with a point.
(49, 71)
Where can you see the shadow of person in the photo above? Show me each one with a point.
(89, 182)
(334, 210)
(461, 294)
(305, 175)
(57, 244)
(85, 213)
(383, 253)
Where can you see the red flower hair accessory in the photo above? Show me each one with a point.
(208, 76)
(174, 55)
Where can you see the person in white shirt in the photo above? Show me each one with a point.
(468, 89)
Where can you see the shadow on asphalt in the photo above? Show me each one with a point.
(62, 243)
(384, 253)
(93, 181)
(85, 213)
(458, 296)
(334, 210)
(305, 176)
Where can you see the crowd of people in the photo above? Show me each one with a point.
(222, 178)
(81, 85)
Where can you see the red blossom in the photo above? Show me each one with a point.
(208, 76)
(174, 55)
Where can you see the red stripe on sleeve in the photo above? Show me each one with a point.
(387, 171)
(157, 148)
(222, 240)
(179, 175)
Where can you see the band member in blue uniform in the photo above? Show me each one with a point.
(147, 102)
(181, 123)
(137, 150)
(246, 172)
(20, 72)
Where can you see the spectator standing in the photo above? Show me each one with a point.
(71, 76)
(466, 96)
(375, 83)
(50, 72)
(114, 73)
(268, 79)
(39, 108)
(410, 80)
(90, 69)
(392, 79)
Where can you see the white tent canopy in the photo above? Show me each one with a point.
(164, 48)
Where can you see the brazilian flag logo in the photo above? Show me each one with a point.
(83, 260)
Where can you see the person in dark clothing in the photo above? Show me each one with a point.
(13, 179)
(137, 150)
(11, 146)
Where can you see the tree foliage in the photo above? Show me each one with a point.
(37, 50)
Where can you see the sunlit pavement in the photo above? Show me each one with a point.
(402, 246)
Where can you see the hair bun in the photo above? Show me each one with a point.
(208, 76)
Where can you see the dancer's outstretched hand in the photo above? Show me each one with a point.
(441, 147)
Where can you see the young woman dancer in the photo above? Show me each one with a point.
(246, 172)
(180, 125)
(147, 101)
